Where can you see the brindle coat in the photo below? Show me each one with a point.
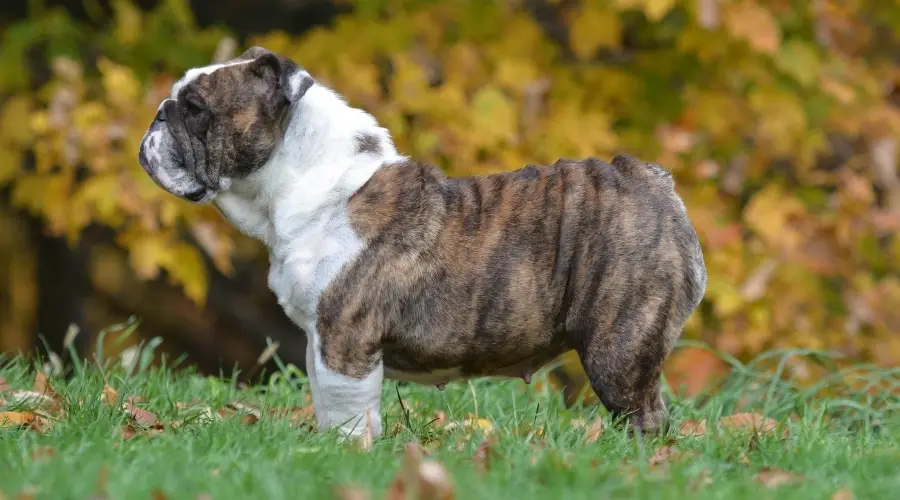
(496, 275)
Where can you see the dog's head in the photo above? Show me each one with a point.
(222, 122)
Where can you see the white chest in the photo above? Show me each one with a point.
(307, 255)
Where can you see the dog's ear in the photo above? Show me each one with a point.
(278, 74)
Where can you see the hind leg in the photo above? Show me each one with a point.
(625, 372)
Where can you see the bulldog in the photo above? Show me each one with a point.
(396, 271)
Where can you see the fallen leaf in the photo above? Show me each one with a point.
(128, 431)
(109, 395)
(692, 428)
(434, 482)
(246, 408)
(42, 384)
(662, 455)
(482, 456)
(42, 452)
(843, 494)
(594, 431)
(16, 418)
(350, 493)
(249, 419)
(703, 478)
(36, 399)
(140, 416)
(773, 478)
(157, 494)
(4, 386)
(752, 422)
(404, 481)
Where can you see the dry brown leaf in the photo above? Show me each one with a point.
(662, 455)
(109, 395)
(773, 478)
(4, 386)
(844, 493)
(482, 456)
(434, 482)
(692, 428)
(157, 494)
(420, 479)
(752, 422)
(17, 418)
(128, 431)
(140, 416)
(347, 492)
(42, 384)
(594, 431)
(42, 452)
(249, 419)
(403, 482)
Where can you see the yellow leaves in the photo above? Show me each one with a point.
(770, 214)
(653, 9)
(800, 60)
(150, 253)
(753, 23)
(780, 118)
(494, 118)
(592, 28)
(13, 115)
(119, 83)
(46, 195)
(128, 22)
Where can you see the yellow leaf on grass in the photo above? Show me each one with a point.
(16, 418)
(593, 28)
(754, 23)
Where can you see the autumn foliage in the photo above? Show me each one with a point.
(779, 120)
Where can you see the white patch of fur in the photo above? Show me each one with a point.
(297, 205)
(193, 73)
(351, 405)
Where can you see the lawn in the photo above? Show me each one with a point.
(162, 433)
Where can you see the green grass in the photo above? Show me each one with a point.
(843, 439)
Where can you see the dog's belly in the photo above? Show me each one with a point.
(398, 367)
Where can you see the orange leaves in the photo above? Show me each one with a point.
(751, 424)
(749, 21)
(693, 370)
(420, 478)
(774, 478)
(16, 418)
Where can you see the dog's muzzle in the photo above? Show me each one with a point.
(162, 159)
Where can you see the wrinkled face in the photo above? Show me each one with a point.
(222, 122)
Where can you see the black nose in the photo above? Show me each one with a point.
(196, 195)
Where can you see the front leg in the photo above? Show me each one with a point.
(351, 403)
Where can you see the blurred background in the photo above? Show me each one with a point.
(778, 118)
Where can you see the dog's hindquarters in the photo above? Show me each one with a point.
(638, 290)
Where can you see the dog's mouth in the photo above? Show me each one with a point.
(161, 156)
